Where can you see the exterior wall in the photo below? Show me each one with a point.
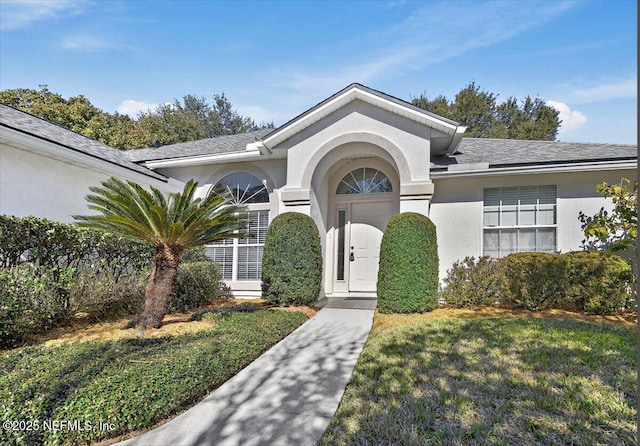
(32, 184)
(457, 208)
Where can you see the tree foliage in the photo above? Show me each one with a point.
(616, 230)
(484, 117)
(168, 223)
(191, 119)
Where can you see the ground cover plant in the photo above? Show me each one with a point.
(492, 381)
(129, 384)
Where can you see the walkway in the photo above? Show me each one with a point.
(285, 397)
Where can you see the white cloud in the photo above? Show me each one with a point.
(617, 90)
(571, 119)
(20, 14)
(86, 43)
(132, 108)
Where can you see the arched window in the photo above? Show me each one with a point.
(364, 181)
(245, 188)
(241, 259)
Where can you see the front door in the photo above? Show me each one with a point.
(368, 222)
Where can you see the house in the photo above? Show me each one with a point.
(351, 163)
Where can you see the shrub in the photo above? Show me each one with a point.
(102, 294)
(408, 273)
(598, 282)
(32, 299)
(292, 261)
(535, 280)
(198, 284)
(474, 283)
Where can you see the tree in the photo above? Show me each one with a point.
(614, 231)
(191, 119)
(485, 118)
(170, 224)
(617, 230)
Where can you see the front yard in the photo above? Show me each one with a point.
(100, 389)
(488, 381)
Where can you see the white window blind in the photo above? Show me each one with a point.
(241, 259)
(518, 219)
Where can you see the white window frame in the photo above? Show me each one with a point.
(518, 226)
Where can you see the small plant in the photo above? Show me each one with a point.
(292, 261)
(471, 283)
(408, 274)
(239, 308)
(198, 284)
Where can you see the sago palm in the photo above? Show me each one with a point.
(170, 223)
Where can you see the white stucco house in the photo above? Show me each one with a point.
(351, 163)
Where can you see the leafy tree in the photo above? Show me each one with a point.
(191, 119)
(485, 118)
(617, 230)
(170, 224)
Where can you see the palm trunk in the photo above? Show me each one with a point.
(160, 287)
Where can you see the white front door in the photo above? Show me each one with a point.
(368, 222)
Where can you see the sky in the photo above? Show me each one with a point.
(274, 60)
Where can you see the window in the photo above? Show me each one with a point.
(241, 259)
(518, 219)
(245, 188)
(342, 221)
(364, 181)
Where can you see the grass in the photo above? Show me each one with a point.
(491, 381)
(130, 383)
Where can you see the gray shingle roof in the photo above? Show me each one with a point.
(209, 146)
(508, 152)
(45, 130)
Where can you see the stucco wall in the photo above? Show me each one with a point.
(456, 209)
(32, 184)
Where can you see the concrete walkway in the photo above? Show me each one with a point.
(285, 397)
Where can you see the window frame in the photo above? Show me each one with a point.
(518, 226)
(237, 244)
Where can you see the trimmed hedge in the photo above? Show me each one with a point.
(589, 281)
(471, 283)
(535, 280)
(292, 261)
(598, 282)
(408, 273)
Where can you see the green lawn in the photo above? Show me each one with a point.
(492, 381)
(131, 383)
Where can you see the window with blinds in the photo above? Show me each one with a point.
(517, 219)
(241, 259)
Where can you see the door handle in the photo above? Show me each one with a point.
(351, 257)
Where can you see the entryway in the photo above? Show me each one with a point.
(368, 222)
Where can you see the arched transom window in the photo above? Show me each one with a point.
(245, 188)
(241, 259)
(364, 181)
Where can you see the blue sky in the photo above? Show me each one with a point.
(274, 60)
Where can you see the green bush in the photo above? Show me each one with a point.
(471, 283)
(47, 243)
(292, 261)
(238, 308)
(408, 273)
(536, 280)
(32, 299)
(103, 295)
(598, 282)
(198, 284)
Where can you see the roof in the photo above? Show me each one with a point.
(451, 130)
(209, 146)
(28, 124)
(514, 152)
